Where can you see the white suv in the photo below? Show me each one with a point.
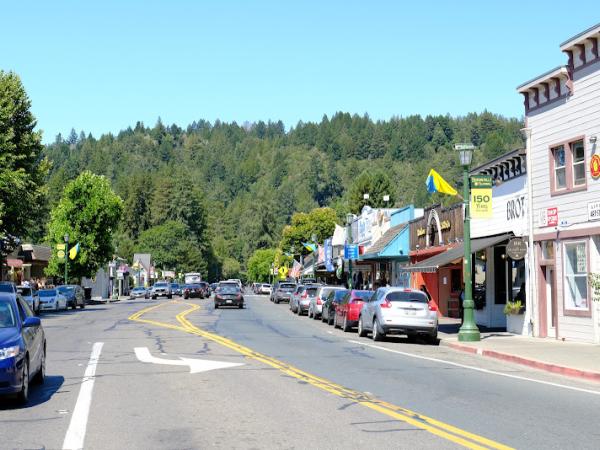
(393, 310)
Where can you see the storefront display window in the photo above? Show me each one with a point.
(576, 283)
(479, 279)
(500, 275)
(516, 281)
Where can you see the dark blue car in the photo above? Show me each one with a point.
(22, 347)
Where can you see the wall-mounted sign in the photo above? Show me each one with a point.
(60, 254)
(594, 211)
(516, 249)
(595, 166)
(481, 196)
(421, 232)
(516, 208)
(552, 216)
(445, 225)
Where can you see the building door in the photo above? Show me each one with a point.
(551, 307)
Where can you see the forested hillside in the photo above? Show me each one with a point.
(220, 191)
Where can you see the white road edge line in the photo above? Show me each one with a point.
(478, 369)
(76, 432)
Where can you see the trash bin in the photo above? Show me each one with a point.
(88, 293)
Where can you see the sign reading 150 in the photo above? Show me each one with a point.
(481, 198)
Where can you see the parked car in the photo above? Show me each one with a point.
(52, 300)
(315, 307)
(393, 310)
(265, 288)
(205, 289)
(139, 292)
(22, 347)
(74, 294)
(213, 287)
(229, 294)
(161, 289)
(300, 288)
(331, 301)
(8, 286)
(192, 291)
(304, 301)
(31, 296)
(176, 288)
(348, 310)
(284, 292)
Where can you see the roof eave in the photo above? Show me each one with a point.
(557, 71)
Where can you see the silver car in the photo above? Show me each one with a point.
(52, 300)
(393, 310)
(161, 289)
(31, 296)
(295, 296)
(315, 307)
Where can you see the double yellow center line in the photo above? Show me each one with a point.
(436, 427)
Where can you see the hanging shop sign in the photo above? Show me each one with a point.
(594, 211)
(595, 166)
(516, 249)
(481, 196)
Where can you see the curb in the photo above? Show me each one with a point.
(548, 367)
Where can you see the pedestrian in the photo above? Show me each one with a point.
(461, 299)
(423, 289)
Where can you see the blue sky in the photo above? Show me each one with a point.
(100, 66)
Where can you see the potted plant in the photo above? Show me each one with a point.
(515, 317)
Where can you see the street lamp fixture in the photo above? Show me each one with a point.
(386, 198)
(468, 331)
(366, 196)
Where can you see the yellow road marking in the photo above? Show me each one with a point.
(436, 427)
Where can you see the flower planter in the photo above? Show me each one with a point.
(515, 323)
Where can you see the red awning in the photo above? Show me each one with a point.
(14, 263)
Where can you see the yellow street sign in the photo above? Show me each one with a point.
(61, 254)
(61, 247)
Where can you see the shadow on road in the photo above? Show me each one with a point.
(38, 394)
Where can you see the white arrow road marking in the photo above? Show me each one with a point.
(196, 365)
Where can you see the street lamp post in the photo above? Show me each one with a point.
(66, 258)
(468, 331)
(349, 218)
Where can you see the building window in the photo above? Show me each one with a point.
(560, 168)
(456, 280)
(578, 152)
(576, 285)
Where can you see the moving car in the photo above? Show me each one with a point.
(192, 291)
(315, 307)
(284, 292)
(176, 288)
(30, 295)
(22, 347)
(264, 288)
(333, 299)
(161, 289)
(348, 310)
(138, 292)
(393, 310)
(229, 294)
(74, 295)
(52, 300)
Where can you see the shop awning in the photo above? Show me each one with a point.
(14, 263)
(435, 262)
(376, 251)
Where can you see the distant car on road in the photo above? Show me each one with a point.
(31, 296)
(176, 288)
(264, 288)
(22, 347)
(192, 291)
(283, 292)
(139, 292)
(348, 310)
(315, 306)
(52, 300)
(393, 310)
(161, 289)
(74, 294)
(229, 294)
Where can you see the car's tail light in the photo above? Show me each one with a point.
(305, 295)
(386, 304)
(432, 306)
(239, 296)
(319, 302)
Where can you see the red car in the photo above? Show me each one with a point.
(348, 310)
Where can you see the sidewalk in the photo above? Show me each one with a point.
(565, 358)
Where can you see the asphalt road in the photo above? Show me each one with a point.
(292, 383)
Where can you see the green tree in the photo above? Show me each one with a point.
(172, 247)
(231, 268)
(22, 167)
(320, 222)
(259, 265)
(377, 184)
(89, 212)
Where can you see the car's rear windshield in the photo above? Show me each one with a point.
(5, 287)
(340, 294)
(175, 285)
(407, 297)
(311, 291)
(7, 315)
(230, 289)
(287, 286)
(25, 291)
(228, 285)
(363, 295)
(139, 289)
(65, 288)
(49, 293)
(160, 284)
(266, 285)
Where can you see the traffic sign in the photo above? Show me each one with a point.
(61, 254)
(464, 146)
(61, 246)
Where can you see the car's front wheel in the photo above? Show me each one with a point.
(23, 395)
